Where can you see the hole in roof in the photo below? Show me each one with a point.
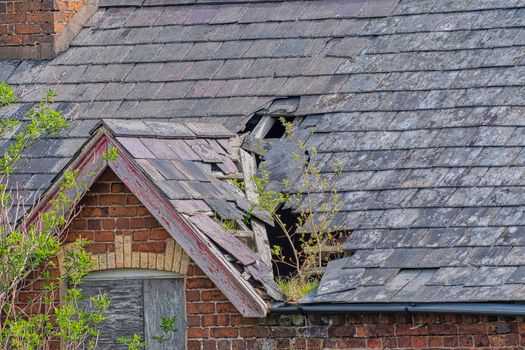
(277, 130)
(276, 237)
(252, 123)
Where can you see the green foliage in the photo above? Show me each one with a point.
(111, 154)
(312, 238)
(167, 325)
(226, 224)
(239, 184)
(78, 326)
(43, 121)
(7, 95)
(28, 247)
(295, 287)
(134, 343)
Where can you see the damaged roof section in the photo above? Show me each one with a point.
(190, 165)
(422, 101)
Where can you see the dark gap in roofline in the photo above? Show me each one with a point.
(410, 308)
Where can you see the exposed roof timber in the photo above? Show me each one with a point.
(90, 164)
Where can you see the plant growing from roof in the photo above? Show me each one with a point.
(312, 238)
(30, 247)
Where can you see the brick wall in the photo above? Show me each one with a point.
(109, 210)
(213, 323)
(29, 28)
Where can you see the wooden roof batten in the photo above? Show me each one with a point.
(90, 163)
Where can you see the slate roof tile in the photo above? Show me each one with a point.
(172, 71)
(422, 101)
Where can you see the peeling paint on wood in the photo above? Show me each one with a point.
(207, 257)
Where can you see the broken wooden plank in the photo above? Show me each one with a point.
(225, 240)
(195, 243)
(261, 241)
(263, 126)
(249, 167)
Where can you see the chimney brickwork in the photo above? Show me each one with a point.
(40, 29)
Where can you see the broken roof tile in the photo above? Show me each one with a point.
(421, 100)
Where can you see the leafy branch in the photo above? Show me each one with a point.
(312, 239)
(28, 249)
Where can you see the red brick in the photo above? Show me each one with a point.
(193, 321)
(151, 222)
(342, 331)
(108, 224)
(254, 332)
(136, 223)
(97, 248)
(112, 199)
(92, 212)
(131, 199)
(419, 341)
(209, 345)
(435, 341)
(104, 236)
(375, 343)
(94, 224)
(200, 308)
(158, 234)
(215, 320)
(119, 187)
(118, 211)
(226, 307)
(140, 235)
(195, 332)
(224, 332)
(442, 329)
(193, 283)
(213, 295)
(450, 341)
(150, 247)
(194, 345)
(377, 330)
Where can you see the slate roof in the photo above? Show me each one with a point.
(422, 100)
(185, 163)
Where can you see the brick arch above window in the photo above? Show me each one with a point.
(173, 259)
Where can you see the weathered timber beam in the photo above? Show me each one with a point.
(197, 246)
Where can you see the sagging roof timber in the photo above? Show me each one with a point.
(90, 163)
(423, 101)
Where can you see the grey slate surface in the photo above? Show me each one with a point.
(422, 101)
(182, 161)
